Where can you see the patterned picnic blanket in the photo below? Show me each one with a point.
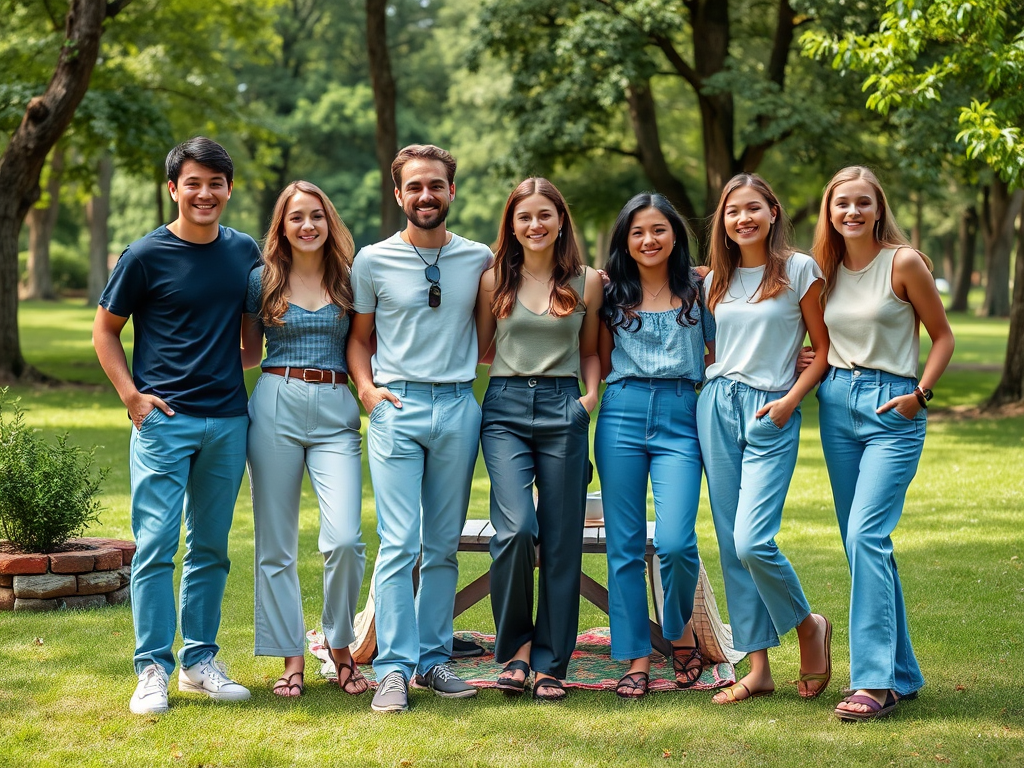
(591, 665)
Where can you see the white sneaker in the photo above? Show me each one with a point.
(210, 677)
(150, 697)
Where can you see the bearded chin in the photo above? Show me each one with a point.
(429, 221)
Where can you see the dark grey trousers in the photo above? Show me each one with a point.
(535, 432)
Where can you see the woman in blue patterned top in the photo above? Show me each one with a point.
(302, 414)
(652, 353)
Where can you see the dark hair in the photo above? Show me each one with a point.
(624, 293)
(508, 257)
(422, 152)
(725, 254)
(207, 152)
(277, 257)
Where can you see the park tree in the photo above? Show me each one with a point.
(921, 51)
(45, 119)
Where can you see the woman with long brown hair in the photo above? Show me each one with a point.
(764, 297)
(302, 414)
(873, 408)
(539, 306)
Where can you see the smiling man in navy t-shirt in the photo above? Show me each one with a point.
(184, 286)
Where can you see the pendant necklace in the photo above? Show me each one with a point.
(433, 274)
(654, 295)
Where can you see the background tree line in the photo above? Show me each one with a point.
(606, 97)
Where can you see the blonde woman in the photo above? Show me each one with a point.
(873, 412)
(302, 415)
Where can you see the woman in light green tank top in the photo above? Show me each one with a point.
(872, 416)
(538, 305)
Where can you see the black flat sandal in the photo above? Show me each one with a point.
(508, 684)
(549, 683)
(633, 686)
(685, 665)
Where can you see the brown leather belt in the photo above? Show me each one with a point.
(310, 375)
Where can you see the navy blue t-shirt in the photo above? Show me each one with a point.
(186, 301)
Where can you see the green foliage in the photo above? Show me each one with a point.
(968, 54)
(47, 493)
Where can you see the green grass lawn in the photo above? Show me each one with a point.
(65, 678)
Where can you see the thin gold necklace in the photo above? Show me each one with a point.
(544, 282)
(654, 295)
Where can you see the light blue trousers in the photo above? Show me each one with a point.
(295, 424)
(648, 427)
(193, 464)
(871, 460)
(749, 463)
(421, 460)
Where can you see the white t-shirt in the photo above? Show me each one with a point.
(416, 342)
(758, 341)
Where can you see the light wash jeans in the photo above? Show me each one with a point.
(196, 464)
(871, 460)
(535, 432)
(749, 463)
(648, 427)
(295, 424)
(421, 460)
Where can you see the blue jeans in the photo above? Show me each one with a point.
(749, 463)
(648, 427)
(871, 460)
(421, 460)
(196, 464)
(298, 425)
(535, 432)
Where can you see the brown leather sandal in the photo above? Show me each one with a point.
(284, 683)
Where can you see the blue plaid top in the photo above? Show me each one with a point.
(307, 339)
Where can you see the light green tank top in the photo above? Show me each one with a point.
(528, 344)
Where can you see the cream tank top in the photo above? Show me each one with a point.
(868, 325)
(528, 344)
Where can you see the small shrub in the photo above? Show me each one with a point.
(47, 492)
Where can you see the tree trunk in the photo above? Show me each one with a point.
(1000, 216)
(46, 118)
(602, 246)
(710, 23)
(384, 98)
(41, 222)
(1011, 386)
(948, 257)
(915, 231)
(644, 119)
(97, 211)
(965, 267)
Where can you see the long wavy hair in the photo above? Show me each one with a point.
(725, 254)
(508, 258)
(277, 257)
(829, 246)
(624, 293)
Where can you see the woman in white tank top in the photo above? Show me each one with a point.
(872, 418)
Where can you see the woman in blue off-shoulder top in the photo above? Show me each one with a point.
(302, 414)
(652, 350)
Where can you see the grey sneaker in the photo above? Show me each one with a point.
(150, 697)
(210, 677)
(392, 694)
(442, 681)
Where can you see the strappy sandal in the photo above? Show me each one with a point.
(549, 684)
(732, 697)
(875, 710)
(633, 686)
(686, 667)
(354, 675)
(284, 683)
(507, 683)
(826, 676)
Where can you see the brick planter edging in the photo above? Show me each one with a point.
(87, 578)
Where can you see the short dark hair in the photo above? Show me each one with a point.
(207, 152)
(422, 152)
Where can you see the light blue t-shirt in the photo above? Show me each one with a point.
(307, 339)
(416, 342)
(758, 341)
(661, 348)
